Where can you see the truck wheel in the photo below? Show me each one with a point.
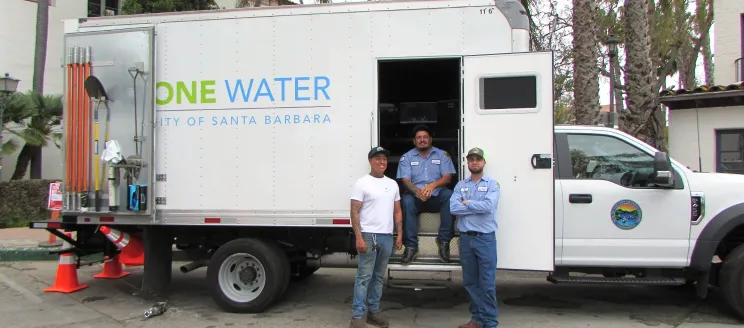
(732, 280)
(247, 275)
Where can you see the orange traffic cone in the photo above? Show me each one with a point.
(132, 253)
(67, 279)
(112, 269)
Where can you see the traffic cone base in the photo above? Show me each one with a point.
(67, 279)
(112, 269)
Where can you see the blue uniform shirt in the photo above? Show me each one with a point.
(483, 201)
(423, 171)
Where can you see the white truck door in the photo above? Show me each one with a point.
(508, 112)
(612, 216)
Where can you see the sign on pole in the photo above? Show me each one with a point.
(55, 197)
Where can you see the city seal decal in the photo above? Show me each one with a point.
(626, 214)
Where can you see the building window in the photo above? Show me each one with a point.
(514, 92)
(730, 151)
(97, 8)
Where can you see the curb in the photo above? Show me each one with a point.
(21, 254)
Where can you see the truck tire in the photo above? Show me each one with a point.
(732, 280)
(247, 275)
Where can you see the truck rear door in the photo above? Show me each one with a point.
(508, 112)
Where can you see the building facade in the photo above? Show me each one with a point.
(706, 124)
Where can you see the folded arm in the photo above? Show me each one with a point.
(456, 206)
(487, 205)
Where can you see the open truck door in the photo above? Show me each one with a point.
(508, 112)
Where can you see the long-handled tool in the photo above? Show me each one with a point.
(69, 118)
(97, 92)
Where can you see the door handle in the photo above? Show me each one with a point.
(580, 198)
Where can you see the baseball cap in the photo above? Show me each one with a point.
(377, 150)
(476, 151)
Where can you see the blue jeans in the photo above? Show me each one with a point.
(371, 269)
(413, 206)
(478, 259)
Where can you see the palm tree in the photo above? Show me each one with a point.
(586, 69)
(40, 52)
(37, 119)
(644, 119)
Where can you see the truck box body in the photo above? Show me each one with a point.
(252, 126)
(263, 117)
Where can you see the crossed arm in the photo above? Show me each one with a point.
(459, 206)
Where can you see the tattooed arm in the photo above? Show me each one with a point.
(356, 207)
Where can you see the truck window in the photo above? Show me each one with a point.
(513, 92)
(599, 157)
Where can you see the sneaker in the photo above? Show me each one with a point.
(376, 319)
(357, 323)
(470, 324)
(444, 251)
(408, 255)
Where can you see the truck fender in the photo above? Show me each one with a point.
(713, 233)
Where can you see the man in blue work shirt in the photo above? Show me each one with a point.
(475, 201)
(425, 171)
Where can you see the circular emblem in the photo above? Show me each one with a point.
(626, 214)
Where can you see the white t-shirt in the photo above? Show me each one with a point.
(378, 196)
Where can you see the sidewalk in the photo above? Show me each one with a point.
(22, 244)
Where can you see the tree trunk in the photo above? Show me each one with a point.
(639, 74)
(42, 29)
(586, 69)
(24, 157)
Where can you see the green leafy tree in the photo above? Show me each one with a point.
(37, 118)
(132, 7)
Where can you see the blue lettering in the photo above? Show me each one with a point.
(298, 88)
(283, 80)
(238, 85)
(322, 88)
(267, 119)
(191, 121)
(263, 85)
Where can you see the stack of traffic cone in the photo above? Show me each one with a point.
(132, 253)
(112, 269)
(67, 279)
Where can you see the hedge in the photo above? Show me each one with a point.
(22, 201)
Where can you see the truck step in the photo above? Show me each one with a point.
(425, 266)
(417, 284)
(615, 280)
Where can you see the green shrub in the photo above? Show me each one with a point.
(22, 201)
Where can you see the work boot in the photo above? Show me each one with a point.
(470, 324)
(444, 251)
(376, 320)
(357, 323)
(408, 255)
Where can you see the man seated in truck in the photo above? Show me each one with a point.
(425, 171)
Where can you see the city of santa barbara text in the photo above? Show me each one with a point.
(234, 120)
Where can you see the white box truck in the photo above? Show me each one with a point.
(236, 135)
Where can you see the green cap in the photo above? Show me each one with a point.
(476, 151)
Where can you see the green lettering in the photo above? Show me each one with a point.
(168, 96)
(181, 89)
(207, 91)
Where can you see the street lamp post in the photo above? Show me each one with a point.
(8, 85)
(612, 53)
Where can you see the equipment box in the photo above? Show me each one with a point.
(418, 112)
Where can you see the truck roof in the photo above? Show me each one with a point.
(513, 10)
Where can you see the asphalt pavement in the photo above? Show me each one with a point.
(324, 300)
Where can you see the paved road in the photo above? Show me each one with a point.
(323, 300)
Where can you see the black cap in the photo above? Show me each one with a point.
(377, 150)
(421, 127)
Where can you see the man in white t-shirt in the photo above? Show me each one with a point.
(375, 209)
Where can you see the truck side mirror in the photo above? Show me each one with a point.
(662, 176)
